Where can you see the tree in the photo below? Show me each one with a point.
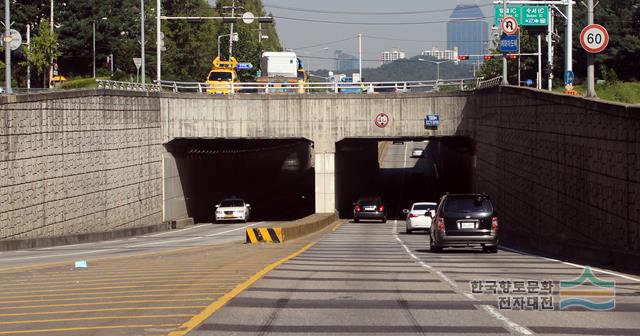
(44, 49)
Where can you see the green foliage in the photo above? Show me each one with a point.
(609, 75)
(528, 65)
(81, 83)
(44, 49)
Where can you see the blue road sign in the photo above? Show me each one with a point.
(568, 77)
(244, 66)
(509, 43)
(432, 120)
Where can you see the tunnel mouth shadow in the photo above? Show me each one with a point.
(275, 176)
(381, 168)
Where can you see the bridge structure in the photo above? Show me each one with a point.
(563, 170)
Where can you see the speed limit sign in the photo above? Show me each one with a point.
(594, 38)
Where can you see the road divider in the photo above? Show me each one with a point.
(279, 232)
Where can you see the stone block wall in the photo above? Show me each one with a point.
(79, 162)
(565, 171)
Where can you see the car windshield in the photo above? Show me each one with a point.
(423, 207)
(467, 205)
(366, 202)
(417, 149)
(231, 203)
(219, 75)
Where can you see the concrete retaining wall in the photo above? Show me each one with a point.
(565, 171)
(79, 162)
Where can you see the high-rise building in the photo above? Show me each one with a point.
(345, 62)
(392, 55)
(468, 30)
(451, 55)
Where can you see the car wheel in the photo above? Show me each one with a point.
(490, 249)
(384, 220)
(356, 220)
(409, 231)
(435, 249)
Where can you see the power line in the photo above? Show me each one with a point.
(307, 10)
(482, 18)
(409, 40)
(325, 43)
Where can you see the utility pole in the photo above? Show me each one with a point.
(51, 28)
(233, 14)
(28, 47)
(360, 55)
(158, 46)
(568, 39)
(550, 50)
(142, 40)
(93, 22)
(539, 75)
(519, 38)
(505, 81)
(591, 89)
(7, 50)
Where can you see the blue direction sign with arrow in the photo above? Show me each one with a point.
(509, 43)
(244, 66)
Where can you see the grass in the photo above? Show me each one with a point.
(81, 83)
(628, 93)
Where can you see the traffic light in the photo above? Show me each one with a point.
(487, 57)
(513, 57)
(463, 58)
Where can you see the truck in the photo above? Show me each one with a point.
(280, 68)
(222, 76)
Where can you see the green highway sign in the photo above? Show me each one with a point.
(525, 15)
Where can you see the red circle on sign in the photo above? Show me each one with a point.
(509, 25)
(594, 46)
(382, 120)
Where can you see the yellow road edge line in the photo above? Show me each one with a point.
(112, 297)
(219, 303)
(340, 223)
(80, 304)
(85, 328)
(95, 318)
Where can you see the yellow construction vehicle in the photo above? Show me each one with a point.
(222, 76)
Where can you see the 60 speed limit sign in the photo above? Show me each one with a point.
(594, 38)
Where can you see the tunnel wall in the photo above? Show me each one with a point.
(79, 162)
(565, 171)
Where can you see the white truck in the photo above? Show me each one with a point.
(282, 70)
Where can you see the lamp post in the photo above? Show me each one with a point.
(234, 37)
(437, 67)
(94, 45)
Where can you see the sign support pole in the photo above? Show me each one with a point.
(519, 38)
(158, 46)
(539, 76)
(505, 81)
(591, 91)
(568, 57)
(550, 50)
(7, 50)
(142, 46)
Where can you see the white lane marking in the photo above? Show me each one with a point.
(175, 231)
(435, 168)
(56, 255)
(574, 265)
(405, 156)
(192, 238)
(510, 324)
(489, 309)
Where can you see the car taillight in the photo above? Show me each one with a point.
(357, 208)
(494, 223)
(412, 215)
(381, 208)
(440, 223)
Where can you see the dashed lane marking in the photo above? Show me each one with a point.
(40, 331)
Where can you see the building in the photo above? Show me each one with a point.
(468, 30)
(451, 55)
(392, 55)
(345, 62)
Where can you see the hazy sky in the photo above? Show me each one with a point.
(317, 36)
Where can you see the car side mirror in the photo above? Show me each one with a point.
(248, 205)
(217, 205)
(405, 211)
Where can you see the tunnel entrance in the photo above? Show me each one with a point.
(276, 176)
(386, 168)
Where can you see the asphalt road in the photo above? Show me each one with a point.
(198, 235)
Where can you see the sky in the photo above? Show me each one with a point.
(310, 39)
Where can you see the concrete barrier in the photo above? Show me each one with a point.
(19, 244)
(280, 232)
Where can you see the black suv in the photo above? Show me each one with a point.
(465, 220)
(369, 208)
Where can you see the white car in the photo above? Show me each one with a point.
(417, 152)
(233, 209)
(420, 216)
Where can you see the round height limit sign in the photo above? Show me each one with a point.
(594, 38)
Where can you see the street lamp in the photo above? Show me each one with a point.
(94, 45)
(437, 67)
(233, 38)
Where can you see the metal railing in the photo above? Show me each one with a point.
(463, 84)
(493, 82)
(128, 86)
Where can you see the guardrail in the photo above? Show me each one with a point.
(493, 82)
(129, 86)
(464, 84)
